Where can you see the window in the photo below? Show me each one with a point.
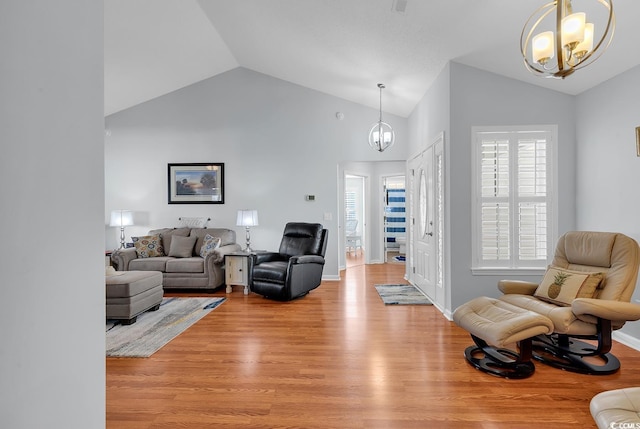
(513, 197)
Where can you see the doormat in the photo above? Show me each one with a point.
(402, 294)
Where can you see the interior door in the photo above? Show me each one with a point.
(423, 272)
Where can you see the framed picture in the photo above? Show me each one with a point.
(638, 141)
(197, 183)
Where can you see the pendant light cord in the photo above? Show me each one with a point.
(380, 85)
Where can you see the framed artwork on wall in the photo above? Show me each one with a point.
(638, 141)
(196, 183)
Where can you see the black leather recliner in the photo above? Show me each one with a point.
(296, 268)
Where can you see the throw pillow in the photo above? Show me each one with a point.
(182, 247)
(561, 286)
(209, 245)
(148, 246)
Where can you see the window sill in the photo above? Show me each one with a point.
(508, 271)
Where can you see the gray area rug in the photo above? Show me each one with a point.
(402, 294)
(154, 329)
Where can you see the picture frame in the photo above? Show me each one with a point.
(196, 183)
(637, 141)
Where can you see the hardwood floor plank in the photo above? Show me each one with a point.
(339, 358)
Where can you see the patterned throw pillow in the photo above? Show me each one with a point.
(148, 246)
(561, 286)
(210, 244)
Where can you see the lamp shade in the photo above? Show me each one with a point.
(572, 29)
(543, 47)
(247, 218)
(121, 218)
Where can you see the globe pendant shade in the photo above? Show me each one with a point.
(381, 136)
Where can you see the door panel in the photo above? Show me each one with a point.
(424, 255)
(439, 234)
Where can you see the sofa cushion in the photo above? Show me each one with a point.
(227, 236)
(149, 264)
(148, 246)
(209, 245)
(560, 286)
(166, 234)
(182, 247)
(185, 265)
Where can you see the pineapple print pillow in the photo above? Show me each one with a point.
(561, 286)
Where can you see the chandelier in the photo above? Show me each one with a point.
(381, 136)
(565, 44)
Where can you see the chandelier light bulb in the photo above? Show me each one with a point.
(543, 47)
(586, 45)
(573, 30)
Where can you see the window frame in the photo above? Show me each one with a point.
(512, 265)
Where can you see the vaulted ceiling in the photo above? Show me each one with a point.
(339, 47)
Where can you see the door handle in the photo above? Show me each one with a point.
(430, 234)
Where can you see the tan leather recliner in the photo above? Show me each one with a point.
(615, 255)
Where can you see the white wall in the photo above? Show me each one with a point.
(474, 98)
(432, 115)
(279, 142)
(51, 262)
(608, 191)
(430, 118)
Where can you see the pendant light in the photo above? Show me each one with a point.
(556, 40)
(381, 136)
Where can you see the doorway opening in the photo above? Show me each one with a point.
(354, 219)
(395, 222)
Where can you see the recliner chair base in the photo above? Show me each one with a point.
(570, 354)
(499, 361)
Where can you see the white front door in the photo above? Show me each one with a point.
(423, 258)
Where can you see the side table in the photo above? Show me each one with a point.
(236, 270)
(107, 258)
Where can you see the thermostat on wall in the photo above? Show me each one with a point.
(310, 197)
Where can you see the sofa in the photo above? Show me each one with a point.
(188, 258)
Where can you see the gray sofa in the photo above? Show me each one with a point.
(182, 270)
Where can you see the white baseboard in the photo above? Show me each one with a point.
(627, 340)
(332, 278)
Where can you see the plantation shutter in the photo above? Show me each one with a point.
(532, 193)
(495, 199)
(512, 198)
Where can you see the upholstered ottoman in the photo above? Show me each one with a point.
(494, 324)
(617, 408)
(130, 293)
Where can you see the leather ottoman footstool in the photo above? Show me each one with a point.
(494, 325)
(617, 408)
(130, 293)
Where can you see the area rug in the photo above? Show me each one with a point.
(402, 294)
(154, 329)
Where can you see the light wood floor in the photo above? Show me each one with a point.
(338, 358)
